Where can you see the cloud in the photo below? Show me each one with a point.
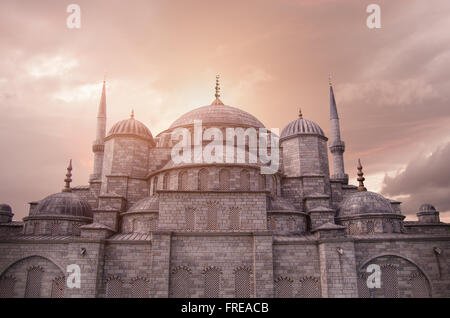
(426, 179)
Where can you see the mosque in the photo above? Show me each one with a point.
(146, 226)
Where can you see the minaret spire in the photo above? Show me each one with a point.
(99, 143)
(361, 177)
(68, 178)
(217, 101)
(337, 146)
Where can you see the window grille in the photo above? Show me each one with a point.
(242, 283)
(190, 218)
(245, 180)
(389, 281)
(283, 287)
(183, 181)
(224, 180)
(58, 285)
(309, 287)
(203, 180)
(212, 283)
(180, 287)
(7, 284)
(114, 288)
(140, 288)
(235, 218)
(34, 282)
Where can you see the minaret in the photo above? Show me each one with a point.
(68, 178)
(337, 146)
(99, 144)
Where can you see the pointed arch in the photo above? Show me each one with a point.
(183, 181)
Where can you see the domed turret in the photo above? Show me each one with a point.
(365, 203)
(428, 214)
(301, 126)
(366, 212)
(130, 127)
(63, 204)
(60, 213)
(6, 214)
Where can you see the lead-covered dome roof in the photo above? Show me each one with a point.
(5, 208)
(63, 204)
(301, 126)
(131, 127)
(218, 114)
(426, 207)
(364, 202)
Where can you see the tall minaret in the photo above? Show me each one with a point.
(99, 144)
(337, 146)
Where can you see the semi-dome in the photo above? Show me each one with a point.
(130, 127)
(301, 126)
(365, 202)
(147, 204)
(218, 114)
(63, 204)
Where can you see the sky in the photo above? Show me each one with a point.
(160, 58)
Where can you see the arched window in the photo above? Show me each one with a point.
(235, 218)
(183, 181)
(34, 282)
(55, 228)
(389, 281)
(245, 180)
(262, 182)
(166, 181)
(388, 226)
(140, 288)
(58, 285)
(272, 223)
(190, 218)
(37, 228)
(291, 224)
(180, 283)
(224, 180)
(7, 284)
(419, 286)
(212, 216)
(370, 227)
(155, 185)
(309, 287)
(242, 287)
(274, 185)
(283, 287)
(114, 287)
(203, 177)
(212, 283)
(363, 290)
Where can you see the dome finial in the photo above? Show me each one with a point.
(217, 86)
(329, 80)
(300, 115)
(132, 114)
(217, 101)
(360, 177)
(68, 178)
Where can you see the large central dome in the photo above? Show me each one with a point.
(218, 114)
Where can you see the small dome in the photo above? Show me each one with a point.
(130, 127)
(5, 208)
(147, 204)
(63, 204)
(365, 202)
(301, 126)
(426, 207)
(218, 114)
